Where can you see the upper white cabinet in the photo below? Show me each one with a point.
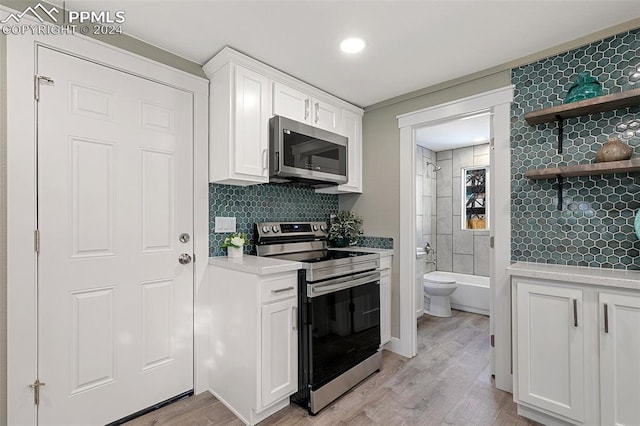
(297, 105)
(244, 95)
(240, 112)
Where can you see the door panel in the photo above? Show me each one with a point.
(115, 179)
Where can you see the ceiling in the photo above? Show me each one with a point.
(410, 44)
(471, 130)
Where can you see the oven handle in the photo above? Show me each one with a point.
(342, 283)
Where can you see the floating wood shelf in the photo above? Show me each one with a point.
(588, 106)
(611, 167)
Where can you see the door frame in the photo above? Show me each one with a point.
(21, 201)
(499, 103)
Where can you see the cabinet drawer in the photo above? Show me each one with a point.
(385, 262)
(279, 287)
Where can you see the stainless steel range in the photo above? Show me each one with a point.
(339, 309)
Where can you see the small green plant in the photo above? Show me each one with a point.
(345, 229)
(237, 240)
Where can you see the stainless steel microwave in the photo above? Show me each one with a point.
(302, 153)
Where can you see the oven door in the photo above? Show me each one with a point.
(345, 325)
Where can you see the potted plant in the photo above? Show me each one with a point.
(345, 229)
(234, 244)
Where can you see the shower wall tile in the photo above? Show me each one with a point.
(481, 149)
(444, 253)
(462, 157)
(419, 195)
(481, 160)
(462, 241)
(444, 216)
(427, 185)
(443, 179)
(444, 155)
(463, 264)
(457, 198)
(481, 255)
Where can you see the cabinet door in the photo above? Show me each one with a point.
(252, 112)
(326, 116)
(279, 351)
(419, 286)
(550, 339)
(620, 359)
(291, 103)
(385, 306)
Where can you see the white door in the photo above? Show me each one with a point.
(619, 359)
(115, 307)
(550, 339)
(326, 116)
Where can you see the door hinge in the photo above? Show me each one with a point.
(194, 258)
(491, 241)
(36, 391)
(36, 85)
(493, 341)
(36, 240)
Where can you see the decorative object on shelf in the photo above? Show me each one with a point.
(613, 150)
(636, 223)
(585, 87)
(345, 229)
(234, 244)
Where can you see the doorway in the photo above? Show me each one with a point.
(496, 102)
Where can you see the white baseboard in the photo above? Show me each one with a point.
(394, 346)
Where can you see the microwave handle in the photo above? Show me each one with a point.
(277, 165)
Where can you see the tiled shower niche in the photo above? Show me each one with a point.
(595, 226)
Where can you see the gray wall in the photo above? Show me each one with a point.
(379, 204)
(458, 250)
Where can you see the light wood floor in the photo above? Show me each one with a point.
(447, 383)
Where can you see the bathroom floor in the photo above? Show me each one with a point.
(447, 383)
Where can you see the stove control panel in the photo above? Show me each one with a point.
(315, 230)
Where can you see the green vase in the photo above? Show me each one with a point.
(585, 87)
(341, 242)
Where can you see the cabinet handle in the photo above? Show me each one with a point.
(575, 312)
(265, 159)
(294, 320)
(606, 318)
(306, 108)
(317, 111)
(281, 290)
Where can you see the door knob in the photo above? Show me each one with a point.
(184, 259)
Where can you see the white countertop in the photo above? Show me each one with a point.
(255, 264)
(577, 274)
(382, 252)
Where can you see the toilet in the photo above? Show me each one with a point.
(438, 288)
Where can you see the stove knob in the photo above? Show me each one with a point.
(275, 228)
(323, 228)
(315, 227)
(265, 229)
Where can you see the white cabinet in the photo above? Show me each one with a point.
(576, 351)
(279, 351)
(253, 341)
(550, 339)
(244, 95)
(239, 121)
(385, 299)
(352, 129)
(300, 106)
(619, 359)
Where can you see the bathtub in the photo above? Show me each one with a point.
(472, 294)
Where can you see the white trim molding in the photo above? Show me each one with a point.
(21, 200)
(498, 103)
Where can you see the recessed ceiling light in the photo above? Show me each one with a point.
(352, 45)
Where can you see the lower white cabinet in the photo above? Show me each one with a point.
(385, 299)
(420, 264)
(620, 359)
(253, 341)
(576, 353)
(550, 339)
